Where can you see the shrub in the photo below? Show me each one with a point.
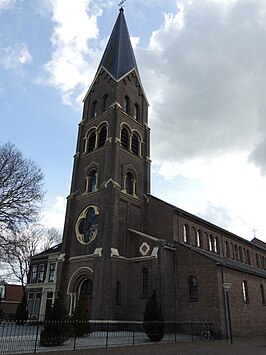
(21, 315)
(153, 321)
(80, 320)
(57, 327)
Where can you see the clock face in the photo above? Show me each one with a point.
(87, 225)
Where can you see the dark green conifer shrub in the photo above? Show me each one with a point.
(80, 320)
(153, 320)
(21, 315)
(57, 326)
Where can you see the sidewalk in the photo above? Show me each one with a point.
(245, 346)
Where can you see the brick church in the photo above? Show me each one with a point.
(120, 242)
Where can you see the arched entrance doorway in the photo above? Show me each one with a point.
(85, 295)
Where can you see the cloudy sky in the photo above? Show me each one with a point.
(203, 67)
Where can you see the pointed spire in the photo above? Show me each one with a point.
(118, 58)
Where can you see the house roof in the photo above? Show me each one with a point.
(118, 58)
(55, 249)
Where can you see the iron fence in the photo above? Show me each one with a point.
(33, 337)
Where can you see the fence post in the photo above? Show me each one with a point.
(36, 338)
(133, 333)
(175, 331)
(106, 345)
(75, 334)
(191, 331)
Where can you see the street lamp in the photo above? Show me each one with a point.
(226, 286)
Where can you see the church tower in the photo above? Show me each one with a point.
(110, 183)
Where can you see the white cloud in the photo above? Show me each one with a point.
(6, 4)
(76, 46)
(14, 58)
(54, 215)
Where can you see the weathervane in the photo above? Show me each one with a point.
(121, 4)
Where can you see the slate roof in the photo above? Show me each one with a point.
(55, 249)
(229, 263)
(118, 58)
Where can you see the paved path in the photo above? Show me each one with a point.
(253, 346)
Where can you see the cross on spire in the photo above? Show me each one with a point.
(254, 232)
(121, 4)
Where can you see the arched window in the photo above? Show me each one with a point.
(91, 141)
(130, 183)
(126, 104)
(211, 243)
(105, 102)
(248, 257)
(118, 293)
(186, 233)
(227, 250)
(125, 138)
(193, 293)
(86, 287)
(136, 112)
(94, 109)
(240, 254)
(245, 291)
(102, 136)
(145, 281)
(216, 245)
(199, 238)
(257, 260)
(91, 181)
(236, 253)
(135, 144)
(262, 294)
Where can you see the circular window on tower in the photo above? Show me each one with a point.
(87, 225)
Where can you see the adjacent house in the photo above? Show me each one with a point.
(10, 297)
(42, 282)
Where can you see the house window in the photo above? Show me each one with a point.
(245, 291)
(30, 302)
(186, 233)
(136, 112)
(125, 138)
(118, 293)
(102, 136)
(91, 142)
(130, 184)
(262, 294)
(135, 144)
(105, 102)
(2, 292)
(34, 274)
(145, 281)
(91, 182)
(52, 273)
(37, 303)
(41, 273)
(193, 288)
(94, 109)
(126, 104)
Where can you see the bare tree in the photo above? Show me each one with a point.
(19, 246)
(21, 189)
(51, 237)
